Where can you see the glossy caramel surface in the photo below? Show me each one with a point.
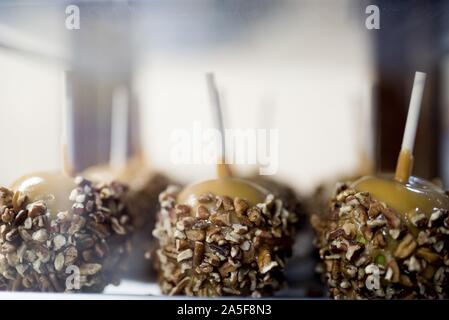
(231, 187)
(101, 172)
(51, 187)
(415, 196)
(135, 173)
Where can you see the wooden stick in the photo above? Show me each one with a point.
(223, 170)
(405, 160)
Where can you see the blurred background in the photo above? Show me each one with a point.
(337, 92)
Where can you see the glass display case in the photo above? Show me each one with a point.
(105, 105)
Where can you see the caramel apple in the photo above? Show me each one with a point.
(52, 188)
(62, 234)
(387, 238)
(51, 224)
(222, 237)
(228, 186)
(226, 236)
(382, 239)
(415, 196)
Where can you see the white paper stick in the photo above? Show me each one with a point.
(217, 111)
(67, 133)
(411, 126)
(119, 128)
(266, 114)
(365, 119)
